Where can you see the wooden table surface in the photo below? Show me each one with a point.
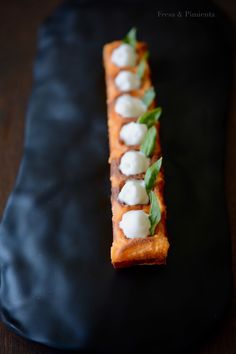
(18, 24)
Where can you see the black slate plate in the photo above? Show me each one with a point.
(57, 284)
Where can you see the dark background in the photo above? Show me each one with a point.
(18, 25)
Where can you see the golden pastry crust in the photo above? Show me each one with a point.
(124, 251)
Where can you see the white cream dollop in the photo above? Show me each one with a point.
(133, 193)
(126, 81)
(135, 223)
(129, 106)
(124, 55)
(133, 162)
(133, 133)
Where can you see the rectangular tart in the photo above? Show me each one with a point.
(131, 251)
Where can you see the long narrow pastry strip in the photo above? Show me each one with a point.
(122, 62)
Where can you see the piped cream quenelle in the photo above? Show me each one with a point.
(129, 106)
(133, 133)
(135, 224)
(133, 162)
(133, 193)
(123, 56)
(127, 81)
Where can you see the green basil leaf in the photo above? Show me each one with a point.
(151, 174)
(141, 68)
(130, 38)
(155, 212)
(150, 118)
(142, 65)
(149, 142)
(149, 96)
